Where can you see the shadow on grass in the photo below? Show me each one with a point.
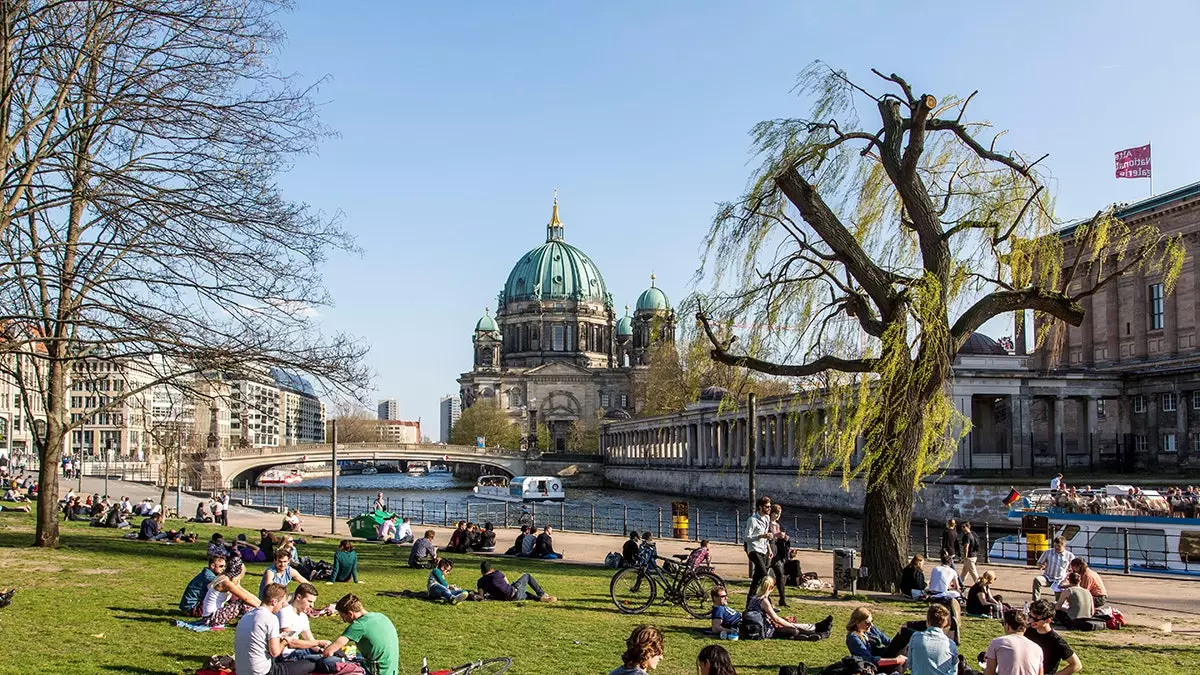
(148, 611)
(140, 671)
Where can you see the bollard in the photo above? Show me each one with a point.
(506, 514)
(1125, 545)
(422, 510)
(820, 532)
(624, 519)
(445, 514)
(987, 543)
(737, 525)
(593, 525)
(717, 523)
(562, 515)
(660, 522)
(927, 539)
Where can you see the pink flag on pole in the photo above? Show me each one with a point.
(1134, 162)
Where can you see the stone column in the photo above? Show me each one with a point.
(1056, 443)
(1183, 410)
(1088, 332)
(1140, 320)
(964, 458)
(1170, 344)
(1115, 321)
(1091, 415)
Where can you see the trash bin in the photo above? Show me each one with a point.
(679, 520)
(1036, 530)
(845, 570)
(366, 525)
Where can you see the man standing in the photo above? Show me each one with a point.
(758, 542)
(968, 545)
(224, 507)
(256, 643)
(1055, 649)
(1054, 564)
(218, 511)
(379, 502)
(374, 634)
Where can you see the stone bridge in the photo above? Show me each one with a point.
(233, 466)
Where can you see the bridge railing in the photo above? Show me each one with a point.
(325, 448)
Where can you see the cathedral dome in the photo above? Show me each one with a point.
(653, 299)
(555, 270)
(625, 325)
(981, 345)
(486, 324)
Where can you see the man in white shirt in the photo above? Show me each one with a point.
(404, 532)
(758, 542)
(126, 507)
(1055, 483)
(256, 642)
(943, 580)
(224, 507)
(299, 643)
(218, 511)
(1054, 563)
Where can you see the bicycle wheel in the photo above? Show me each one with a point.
(494, 666)
(697, 594)
(632, 590)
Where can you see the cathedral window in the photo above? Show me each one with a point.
(604, 399)
(624, 401)
(558, 338)
(570, 331)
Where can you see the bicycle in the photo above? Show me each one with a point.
(494, 666)
(526, 518)
(634, 589)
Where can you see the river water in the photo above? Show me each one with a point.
(441, 498)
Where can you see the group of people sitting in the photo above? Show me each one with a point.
(19, 490)
(215, 509)
(472, 537)
(529, 544)
(292, 521)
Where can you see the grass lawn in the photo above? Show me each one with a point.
(101, 604)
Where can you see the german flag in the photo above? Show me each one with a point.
(1013, 496)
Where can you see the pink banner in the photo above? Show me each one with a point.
(1134, 162)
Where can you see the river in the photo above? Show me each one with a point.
(441, 498)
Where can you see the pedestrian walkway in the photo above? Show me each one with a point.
(1145, 600)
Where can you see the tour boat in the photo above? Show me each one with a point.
(277, 477)
(525, 489)
(1096, 530)
(416, 469)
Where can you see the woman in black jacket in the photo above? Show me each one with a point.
(950, 539)
(912, 578)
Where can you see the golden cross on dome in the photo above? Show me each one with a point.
(652, 278)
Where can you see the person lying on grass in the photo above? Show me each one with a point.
(18, 508)
(495, 586)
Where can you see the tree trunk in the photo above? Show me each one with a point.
(51, 453)
(888, 504)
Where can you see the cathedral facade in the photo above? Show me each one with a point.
(555, 354)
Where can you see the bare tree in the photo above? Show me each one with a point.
(356, 424)
(869, 253)
(143, 220)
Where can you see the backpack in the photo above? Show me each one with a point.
(1115, 621)
(613, 560)
(850, 665)
(752, 626)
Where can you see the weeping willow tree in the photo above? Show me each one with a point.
(865, 253)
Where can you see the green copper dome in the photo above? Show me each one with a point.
(555, 270)
(624, 326)
(487, 324)
(652, 300)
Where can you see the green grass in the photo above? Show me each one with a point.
(101, 604)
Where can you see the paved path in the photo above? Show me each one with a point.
(1145, 600)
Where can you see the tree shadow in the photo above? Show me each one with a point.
(139, 671)
(150, 611)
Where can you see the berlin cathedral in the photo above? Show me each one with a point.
(555, 353)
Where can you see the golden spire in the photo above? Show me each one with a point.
(652, 278)
(554, 214)
(626, 310)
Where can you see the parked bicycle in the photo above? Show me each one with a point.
(494, 666)
(634, 589)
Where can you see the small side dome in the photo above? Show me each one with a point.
(981, 345)
(714, 393)
(617, 414)
(486, 324)
(653, 299)
(625, 325)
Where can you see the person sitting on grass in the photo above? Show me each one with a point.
(257, 643)
(423, 552)
(544, 546)
(930, 652)
(714, 660)
(225, 599)
(493, 585)
(281, 572)
(386, 533)
(867, 642)
(1012, 653)
(374, 633)
(725, 619)
(11, 495)
(438, 588)
(784, 627)
(519, 544)
(912, 579)
(404, 533)
(1090, 581)
(943, 580)
(629, 552)
(201, 514)
(700, 556)
(643, 651)
(980, 600)
(1076, 604)
(1055, 649)
(458, 538)
(193, 594)
(151, 529)
(487, 539)
(345, 563)
(249, 552)
(296, 632)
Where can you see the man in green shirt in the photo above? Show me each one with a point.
(374, 634)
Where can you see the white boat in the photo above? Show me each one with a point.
(524, 489)
(277, 477)
(1095, 528)
(416, 469)
(369, 470)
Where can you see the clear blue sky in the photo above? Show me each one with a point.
(458, 119)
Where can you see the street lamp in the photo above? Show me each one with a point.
(532, 443)
(107, 455)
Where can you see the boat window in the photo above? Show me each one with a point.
(1105, 547)
(1068, 532)
(1147, 548)
(1189, 546)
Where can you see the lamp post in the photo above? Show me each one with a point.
(533, 442)
(107, 456)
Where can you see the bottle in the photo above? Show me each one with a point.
(733, 635)
(424, 666)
